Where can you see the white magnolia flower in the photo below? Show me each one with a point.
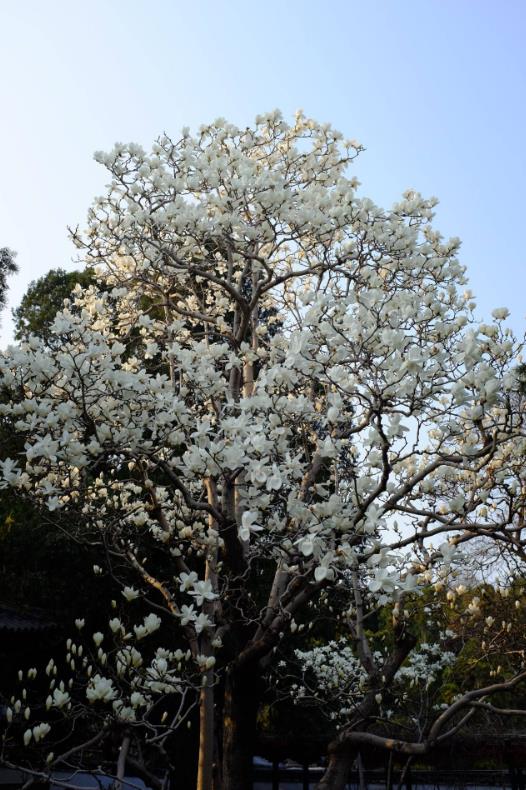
(248, 525)
(234, 456)
(202, 592)
(188, 614)
(306, 545)
(137, 699)
(40, 731)
(116, 625)
(409, 583)
(202, 622)
(274, 481)
(258, 471)
(383, 580)
(60, 698)
(323, 571)
(187, 580)
(448, 551)
(130, 593)
(124, 712)
(152, 622)
(100, 689)
(500, 313)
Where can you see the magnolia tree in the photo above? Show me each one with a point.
(276, 390)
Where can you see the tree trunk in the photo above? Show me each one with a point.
(207, 718)
(121, 762)
(206, 733)
(337, 772)
(240, 711)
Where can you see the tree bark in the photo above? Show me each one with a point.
(241, 700)
(205, 767)
(207, 719)
(121, 762)
(337, 772)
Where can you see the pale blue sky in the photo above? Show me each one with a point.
(433, 88)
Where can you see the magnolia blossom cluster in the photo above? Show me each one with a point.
(90, 403)
(425, 665)
(333, 673)
(335, 680)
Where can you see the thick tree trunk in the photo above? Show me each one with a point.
(205, 767)
(337, 772)
(207, 718)
(240, 711)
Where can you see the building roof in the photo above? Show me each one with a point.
(14, 621)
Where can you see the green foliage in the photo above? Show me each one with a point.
(44, 298)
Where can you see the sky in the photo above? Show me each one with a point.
(434, 89)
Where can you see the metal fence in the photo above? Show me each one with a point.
(279, 776)
(284, 776)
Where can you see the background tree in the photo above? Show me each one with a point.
(7, 267)
(44, 298)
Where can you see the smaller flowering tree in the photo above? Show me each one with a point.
(332, 676)
(112, 694)
(465, 672)
(332, 686)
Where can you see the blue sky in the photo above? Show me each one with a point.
(435, 90)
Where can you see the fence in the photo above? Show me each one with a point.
(278, 776)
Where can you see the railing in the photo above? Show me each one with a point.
(277, 776)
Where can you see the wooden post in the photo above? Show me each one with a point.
(361, 772)
(389, 774)
(275, 775)
(306, 783)
(408, 780)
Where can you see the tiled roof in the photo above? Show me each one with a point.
(16, 622)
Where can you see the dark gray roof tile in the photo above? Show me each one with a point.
(18, 622)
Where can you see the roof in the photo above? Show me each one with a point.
(14, 621)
